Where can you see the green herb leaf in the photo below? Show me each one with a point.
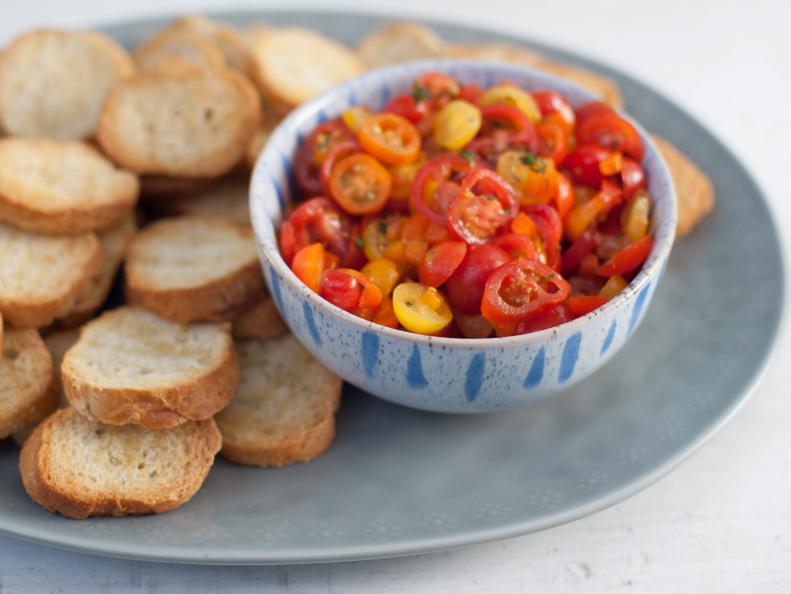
(420, 93)
(382, 228)
(468, 156)
(533, 161)
(359, 242)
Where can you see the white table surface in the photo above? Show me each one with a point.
(719, 523)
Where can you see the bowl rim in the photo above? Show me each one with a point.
(657, 258)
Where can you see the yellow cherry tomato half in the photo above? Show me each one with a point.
(383, 273)
(456, 124)
(534, 178)
(390, 138)
(355, 117)
(421, 309)
(614, 285)
(515, 96)
(635, 217)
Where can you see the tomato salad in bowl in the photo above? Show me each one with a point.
(458, 210)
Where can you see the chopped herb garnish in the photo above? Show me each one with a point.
(533, 161)
(550, 276)
(359, 242)
(409, 303)
(419, 93)
(468, 156)
(382, 228)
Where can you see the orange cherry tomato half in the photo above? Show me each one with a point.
(581, 305)
(613, 132)
(310, 263)
(440, 262)
(564, 199)
(522, 288)
(342, 148)
(390, 138)
(552, 141)
(628, 259)
(360, 184)
(553, 103)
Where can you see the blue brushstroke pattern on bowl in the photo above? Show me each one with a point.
(446, 374)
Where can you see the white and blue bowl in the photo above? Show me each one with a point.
(455, 375)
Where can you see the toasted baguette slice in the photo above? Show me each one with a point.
(114, 242)
(41, 275)
(194, 269)
(293, 64)
(694, 191)
(27, 381)
(262, 320)
(182, 122)
(2, 331)
(234, 46)
(400, 42)
(62, 187)
(80, 468)
(226, 200)
(53, 83)
(131, 367)
(179, 44)
(284, 409)
(496, 52)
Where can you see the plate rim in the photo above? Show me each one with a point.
(229, 556)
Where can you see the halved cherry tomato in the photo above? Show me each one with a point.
(591, 109)
(316, 220)
(549, 102)
(342, 148)
(534, 177)
(517, 246)
(440, 262)
(488, 148)
(470, 92)
(572, 257)
(503, 113)
(635, 216)
(341, 289)
(355, 117)
(313, 151)
(390, 138)
(512, 95)
(564, 199)
(439, 88)
(556, 316)
(613, 132)
(628, 259)
(359, 184)
(632, 177)
(456, 124)
(585, 214)
(614, 285)
(582, 305)
(583, 164)
(612, 164)
(379, 233)
(552, 142)
(473, 326)
(383, 273)
(465, 286)
(371, 295)
(402, 177)
(486, 203)
(421, 309)
(310, 263)
(385, 314)
(550, 230)
(406, 107)
(431, 192)
(522, 288)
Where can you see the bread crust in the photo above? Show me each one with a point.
(35, 467)
(400, 41)
(181, 44)
(44, 208)
(262, 320)
(155, 406)
(143, 114)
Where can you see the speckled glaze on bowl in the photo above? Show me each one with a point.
(444, 374)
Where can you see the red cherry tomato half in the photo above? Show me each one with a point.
(406, 107)
(426, 198)
(465, 287)
(572, 257)
(564, 200)
(591, 109)
(522, 288)
(552, 142)
(517, 246)
(550, 102)
(340, 288)
(549, 319)
(486, 203)
(312, 152)
(583, 164)
(628, 259)
(581, 305)
(470, 93)
(550, 230)
(613, 132)
(440, 262)
(316, 220)
(632, 177)
(440, 88)
(505, 113)
(487, 149)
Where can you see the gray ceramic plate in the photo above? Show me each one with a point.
(399, 481)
